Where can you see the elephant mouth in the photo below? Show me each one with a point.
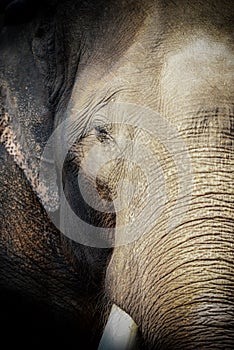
(120, 333)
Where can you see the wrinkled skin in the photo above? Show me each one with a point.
(43, 288)
(176, 58)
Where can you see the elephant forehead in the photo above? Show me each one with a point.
(174, 70)
(200, 71)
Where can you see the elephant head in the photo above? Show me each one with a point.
(120, 114)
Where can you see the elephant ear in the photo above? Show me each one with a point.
(26, 114)
(24, 133)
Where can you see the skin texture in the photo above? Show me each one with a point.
(176, 58)
(43, 287)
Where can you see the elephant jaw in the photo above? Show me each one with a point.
(120, 333)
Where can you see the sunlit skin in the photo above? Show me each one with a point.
(144, 92)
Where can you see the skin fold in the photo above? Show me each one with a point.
(46, 296)
(89, 63)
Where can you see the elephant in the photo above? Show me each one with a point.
(116, 177)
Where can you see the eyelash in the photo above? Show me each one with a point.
(102, 134)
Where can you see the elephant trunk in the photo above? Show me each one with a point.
(177, 282)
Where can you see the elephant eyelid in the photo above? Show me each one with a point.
(102, 134)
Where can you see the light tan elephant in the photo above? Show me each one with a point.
(119, 115)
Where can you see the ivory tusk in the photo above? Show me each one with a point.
(120, 332)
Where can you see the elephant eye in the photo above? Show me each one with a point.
(103, 134)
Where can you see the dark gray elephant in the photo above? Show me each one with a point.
(119, 116)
